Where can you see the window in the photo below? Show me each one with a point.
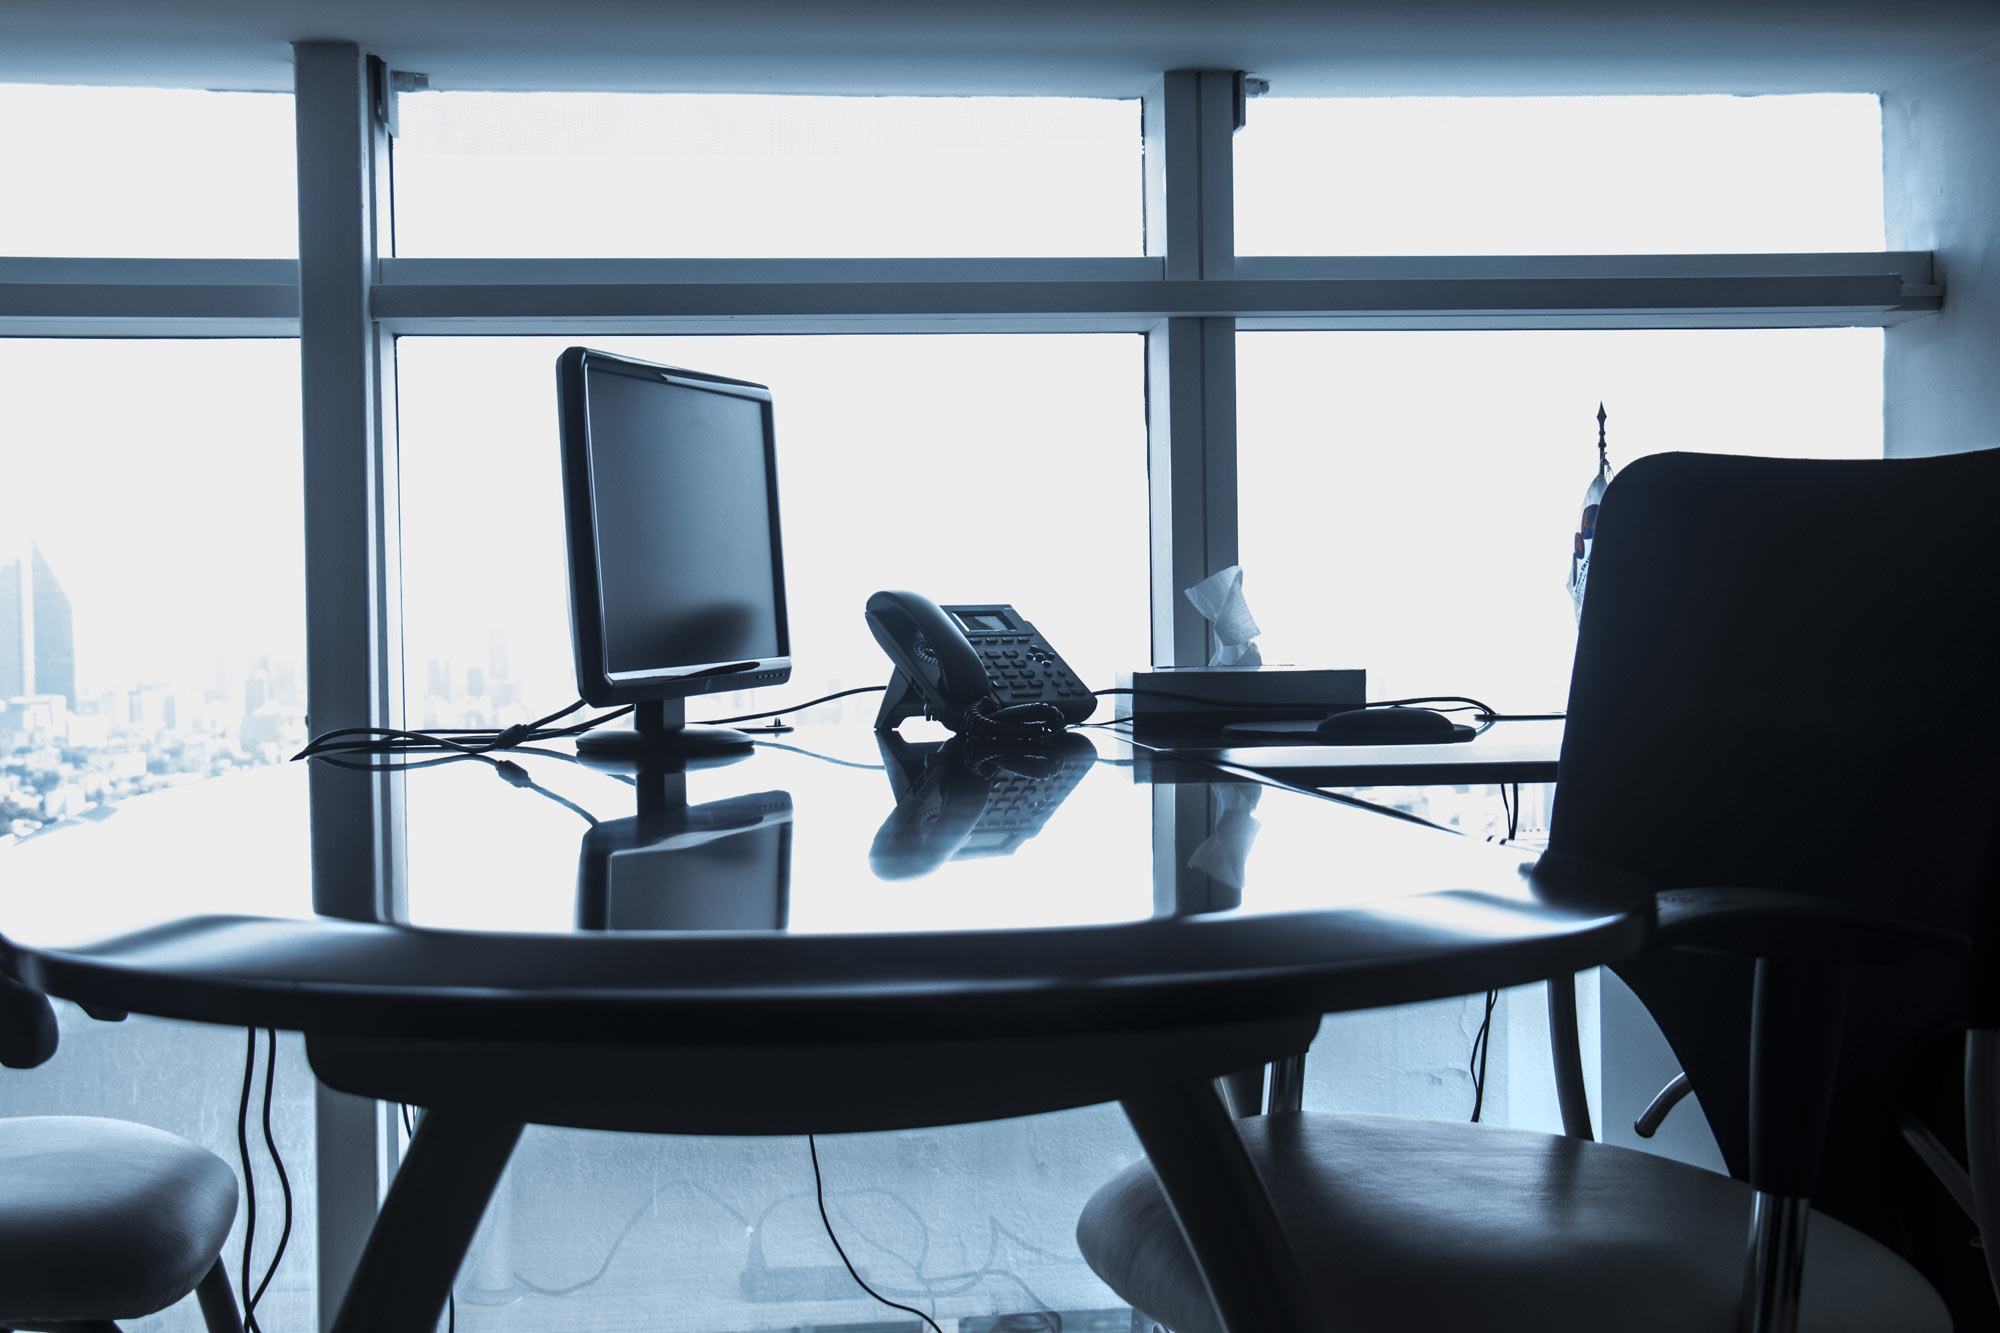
(148, 172)
(151, 568)
(1555, 175)
(1409, 499)
(705, 176)
(971, 468)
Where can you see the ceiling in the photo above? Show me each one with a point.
(1081, 47)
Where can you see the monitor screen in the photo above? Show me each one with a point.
(670, 490)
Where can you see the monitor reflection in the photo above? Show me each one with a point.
(720, 865)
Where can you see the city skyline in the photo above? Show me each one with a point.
(37, 629)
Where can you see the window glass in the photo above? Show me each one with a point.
(152, 575)
(713, 176)
(973, 1224)
(1556, 175)
(148, 173)
(1409, 500)
(968, 468)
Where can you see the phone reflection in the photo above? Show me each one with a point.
(959, 798)
(720, 865)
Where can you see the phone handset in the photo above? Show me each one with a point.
(981, 670)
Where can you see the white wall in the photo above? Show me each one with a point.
(1941, 160)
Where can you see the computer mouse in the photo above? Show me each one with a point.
(1387, 726)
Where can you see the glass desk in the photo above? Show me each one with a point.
(877, 921)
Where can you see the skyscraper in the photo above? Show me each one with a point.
(17, 629)
(37, 638)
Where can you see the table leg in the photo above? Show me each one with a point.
(419, 1239)
(1213, 1189)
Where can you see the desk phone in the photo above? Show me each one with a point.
(981, 670)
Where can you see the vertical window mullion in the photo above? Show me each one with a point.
(1189, 120)
(353, 657)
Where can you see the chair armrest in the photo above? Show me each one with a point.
(1804, 948)
(27, 1026)
(1774, 923)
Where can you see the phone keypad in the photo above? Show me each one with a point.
(1022, 669)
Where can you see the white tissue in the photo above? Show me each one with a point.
(1219, 598)
(1224, 853)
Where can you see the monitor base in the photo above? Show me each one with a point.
(670, 744)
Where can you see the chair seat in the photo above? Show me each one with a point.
(104, 1219)
(1418, 1224)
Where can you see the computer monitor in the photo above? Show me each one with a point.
(676, 572)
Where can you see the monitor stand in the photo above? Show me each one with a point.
(660, 734)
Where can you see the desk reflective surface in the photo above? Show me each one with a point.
(823, 881)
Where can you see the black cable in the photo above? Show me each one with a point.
(1485, 711)
(1482, 1043)
(815, 754)
(395, 740)
(271, 1145)
(819, 1192)
(795, 708)
(578, 728)
(475, 741)
(249, 1180)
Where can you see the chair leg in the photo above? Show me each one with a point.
(1566, 1045)
(1982, 1139)
(419, 1240)
(1288, 1084)
(1243, 1091)
(1772, 1279)
(218, 1305)
(1215, 1194)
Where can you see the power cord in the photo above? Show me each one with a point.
(795, 708)
(1465, 704)
(819, 1193)
(464, 740)
(1482, 1042)
(250, 1297)
(480, 741)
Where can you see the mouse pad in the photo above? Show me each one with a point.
(1305, 731)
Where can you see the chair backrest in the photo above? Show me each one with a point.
(1782, 680)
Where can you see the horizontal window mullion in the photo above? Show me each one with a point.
(1832, 298)
(259, 298)
(758, 272)
(179, 298)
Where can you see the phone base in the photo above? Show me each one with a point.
(901, 700)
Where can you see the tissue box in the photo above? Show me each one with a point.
(1213, 696)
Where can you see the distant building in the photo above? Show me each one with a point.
(37, 638)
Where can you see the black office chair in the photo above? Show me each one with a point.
(1779, 717)
(102, 1220)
